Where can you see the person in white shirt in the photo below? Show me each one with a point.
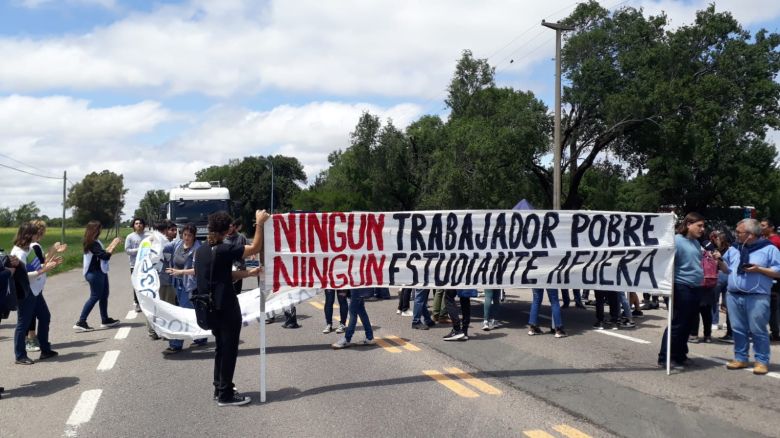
(132, 243)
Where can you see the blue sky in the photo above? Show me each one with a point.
(156, 90)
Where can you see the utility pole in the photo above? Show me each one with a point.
(64, 183)
(557, 128)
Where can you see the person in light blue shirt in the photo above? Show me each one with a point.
(751, 264)
(688, 276)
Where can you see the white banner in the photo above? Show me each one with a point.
(175, 322)
(466, 249)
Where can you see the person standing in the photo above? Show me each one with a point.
(688, 276)
(183, 276)
(536, 304)
(357, 309)
(460, 327)
(421, 310)
(132, 243)
(213, 274)
(95, 270)
(752, 265)
(330, 299)
(31, 305)
(492, 305)
(38, 261)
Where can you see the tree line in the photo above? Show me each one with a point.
(653, 118)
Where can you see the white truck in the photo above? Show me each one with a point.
(193, 202)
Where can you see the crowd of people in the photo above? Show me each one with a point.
(713, 273)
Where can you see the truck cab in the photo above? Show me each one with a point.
(194, 202)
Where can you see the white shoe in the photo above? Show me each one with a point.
(406, 313)
(494, 324)
(398, 311)
(328, 328)
(715, 327)
(486, 325)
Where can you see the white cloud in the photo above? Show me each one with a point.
(60, 133)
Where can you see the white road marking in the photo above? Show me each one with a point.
(83, 411)
(626, 337)
(109, 360)
(131, 314)
(774, 374)
(122, 333)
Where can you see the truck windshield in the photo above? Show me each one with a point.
(196, 211)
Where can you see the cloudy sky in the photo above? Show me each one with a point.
(156, 90)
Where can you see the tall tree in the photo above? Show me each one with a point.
(99, 196)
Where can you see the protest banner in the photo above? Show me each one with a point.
(467, 249)
(175, 322)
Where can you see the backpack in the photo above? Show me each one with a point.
(203, 301)
(710, 267)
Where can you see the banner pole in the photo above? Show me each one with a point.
(262, 346)
(669, 333)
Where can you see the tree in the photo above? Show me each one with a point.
(26, 213)
(7, 217)
(217, 173)
(686, 108)
(149, 207)
(99, 196)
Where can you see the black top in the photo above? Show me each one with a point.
(222, 281)
(98, 254)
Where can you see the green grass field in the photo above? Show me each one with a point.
(73, 256)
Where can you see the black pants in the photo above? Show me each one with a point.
(237, 286)
(330, 299)
(614, 305)
(404, 296)
(452, 310)
(686, 308)
(706, 319)
(226, 327)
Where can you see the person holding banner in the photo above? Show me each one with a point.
(751, 266)
(183, 276)
(688, 277)
(213, 272)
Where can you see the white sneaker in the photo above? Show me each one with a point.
(341, 343)
(398, 311)
(486, 325)
(328, 328)
(406, 313)
(341, 328)
(494, 324)
(715, 327)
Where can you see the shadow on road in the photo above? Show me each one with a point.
(41, 388)
(81, 343)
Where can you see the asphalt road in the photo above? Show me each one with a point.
(503, 383)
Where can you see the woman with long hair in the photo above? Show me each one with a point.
(213, 267)
(688, 277)
(96, 258)
(31, 305)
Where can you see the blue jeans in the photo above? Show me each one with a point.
(183, 296)
(357, 308)
(330, 298)
(686, 309)
(749, 315)
(492, 303)
(421, 307)
(98, 293)
(624, 304)
(28, 309)
(567, 300)
(552, 295)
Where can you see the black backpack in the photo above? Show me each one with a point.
(203, 301)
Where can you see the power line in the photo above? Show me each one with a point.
(22, 162)
(29, 173)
